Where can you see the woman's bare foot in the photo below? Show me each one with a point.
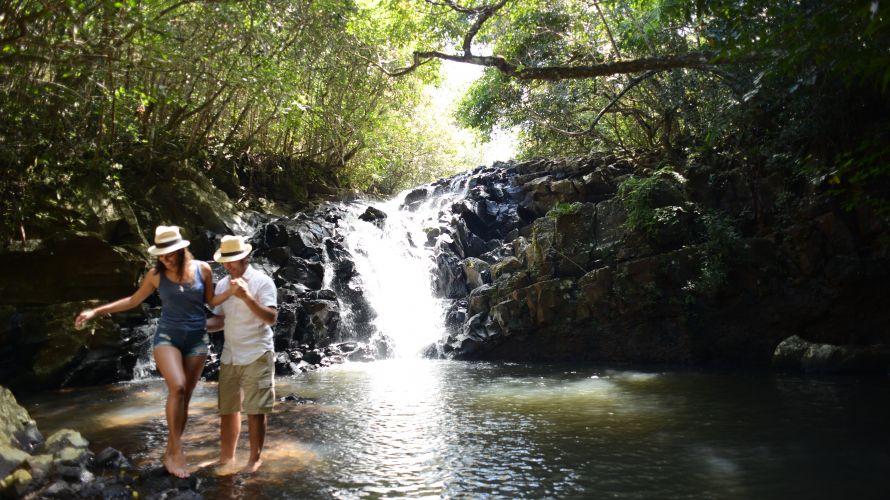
(175, 465)
(252, 466)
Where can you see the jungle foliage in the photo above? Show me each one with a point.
(113, 94)
(103, 93)
(798, 83)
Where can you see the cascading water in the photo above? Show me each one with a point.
(396, 265)
(394, 270)
(145, 364)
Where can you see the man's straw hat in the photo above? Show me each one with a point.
(232, 248)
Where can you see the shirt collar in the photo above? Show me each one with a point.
(248, 273)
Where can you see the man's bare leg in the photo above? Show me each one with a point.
(256, 429)
(229, 429)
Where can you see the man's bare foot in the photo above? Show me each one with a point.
(225, 467)
(252, 466)
(175, 465)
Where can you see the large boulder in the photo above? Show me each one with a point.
(194, 204)
(19, 437)
(798, 354)
(71, 266)
(17, 428)
(40, 348)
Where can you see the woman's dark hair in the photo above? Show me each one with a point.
(183, 256)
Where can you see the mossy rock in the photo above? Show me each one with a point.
(71, 266)
(45, 350)
(17, 429)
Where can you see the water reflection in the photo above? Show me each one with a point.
(420, 428)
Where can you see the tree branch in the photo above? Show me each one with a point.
(633, 83)
(484, 13)
(591, 129)
(599, 11)
(555, 73)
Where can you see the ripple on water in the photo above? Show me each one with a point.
(448, 429)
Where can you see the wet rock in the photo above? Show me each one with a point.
(285, 364)
(73, 473)
(66, 470)
(343, 262)
(17, 429)
(296, 399)
(111, 458)
(455, 316)
(15, 484)
(466, 242)
(414, 198)
(505, 266)
(476, 271)
(318, 322)
(374, 216)
(71, 266)
(159, 484)
(65, 438)
(449, 281)
(279, 255)
(796, 353)
(307, 273)
(11, 459)
(363, 354)
(40, 466)
(313, 357)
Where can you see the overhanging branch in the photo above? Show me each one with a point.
(554, 73)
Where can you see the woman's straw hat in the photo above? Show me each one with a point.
(232, 248)
(167, 239)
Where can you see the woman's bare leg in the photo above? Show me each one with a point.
(170, 364)
(192, 367)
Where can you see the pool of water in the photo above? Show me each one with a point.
(424, 428)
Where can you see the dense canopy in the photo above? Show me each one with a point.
(332, 92)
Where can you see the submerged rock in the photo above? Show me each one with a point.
(61, 467)
(798, 354)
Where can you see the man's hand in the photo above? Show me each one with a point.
(267, 315)
(239, 288)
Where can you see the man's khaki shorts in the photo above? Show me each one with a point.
(254, 382)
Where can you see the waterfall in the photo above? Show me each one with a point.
(145, 363)
(390, 297)
(396, 265)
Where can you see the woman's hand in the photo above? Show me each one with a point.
(83, 317)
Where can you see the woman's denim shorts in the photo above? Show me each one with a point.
(190, 343)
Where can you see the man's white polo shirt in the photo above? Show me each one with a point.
(247, 337)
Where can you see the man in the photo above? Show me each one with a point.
(247, 364)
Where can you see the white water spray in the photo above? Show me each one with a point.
(396, 266)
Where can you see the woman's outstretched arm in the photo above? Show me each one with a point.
(150, 283)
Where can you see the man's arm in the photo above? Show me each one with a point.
(216, 323)
(266, 314)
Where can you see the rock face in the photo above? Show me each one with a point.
(323, 316)
(63, 466)
(51, 278)
(587, 260)
(794, 353)
(594, 258)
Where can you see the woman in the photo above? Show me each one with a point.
(180, 341)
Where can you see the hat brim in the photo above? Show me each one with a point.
(153, 250)
(217, 256)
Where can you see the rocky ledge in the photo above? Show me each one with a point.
(605, 259)
(62, 465)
